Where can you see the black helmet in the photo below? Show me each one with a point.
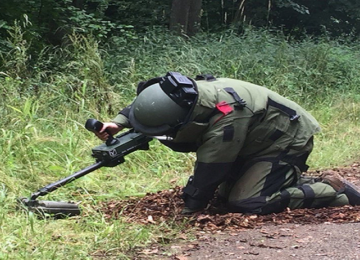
(163, 104)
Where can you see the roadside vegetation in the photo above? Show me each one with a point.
(46, 99)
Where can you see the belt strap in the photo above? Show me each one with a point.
(291, 112)
(237, 98)
(309, 195)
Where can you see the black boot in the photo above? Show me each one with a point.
(341, 185)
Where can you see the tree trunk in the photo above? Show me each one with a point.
(185, 16)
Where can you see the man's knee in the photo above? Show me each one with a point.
(260, 205)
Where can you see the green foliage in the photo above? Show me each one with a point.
(52, 22)
(295, 17)
(152, 12)
(15, 61)
(84, 59)
(52, 73)
(308, 70)
(45, 104)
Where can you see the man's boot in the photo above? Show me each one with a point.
(341, 185)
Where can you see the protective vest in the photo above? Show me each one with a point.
(232, 119)
(242, 119)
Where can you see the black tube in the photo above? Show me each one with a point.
(53, 186)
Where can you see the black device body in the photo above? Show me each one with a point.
(109, 154)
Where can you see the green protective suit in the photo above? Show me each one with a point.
(251, 145)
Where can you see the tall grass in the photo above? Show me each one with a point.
(45, 102)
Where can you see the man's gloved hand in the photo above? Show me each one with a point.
(189, 211)
(107, 128)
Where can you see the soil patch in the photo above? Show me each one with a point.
(327, 233)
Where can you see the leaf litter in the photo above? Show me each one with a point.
(296, 234)
(166, 206)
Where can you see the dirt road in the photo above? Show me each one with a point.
(288, 241)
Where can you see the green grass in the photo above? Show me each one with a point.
(338, 143)
(44, 108)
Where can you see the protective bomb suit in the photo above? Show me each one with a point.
(251, 143)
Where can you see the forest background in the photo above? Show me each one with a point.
(62, 62)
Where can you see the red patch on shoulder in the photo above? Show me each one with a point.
(224, 108)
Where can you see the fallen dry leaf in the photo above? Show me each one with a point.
(166, 206)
